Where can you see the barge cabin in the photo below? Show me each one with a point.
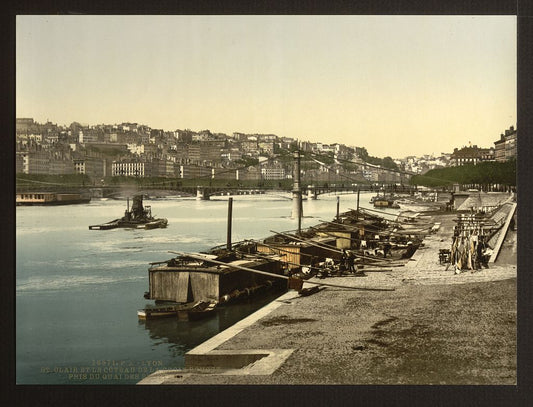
(185, 279)
(49, 198)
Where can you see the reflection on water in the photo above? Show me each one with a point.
(183, 336)
(78, 291)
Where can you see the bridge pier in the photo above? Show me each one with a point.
(202, 193)
(311, 192)
(297, 192)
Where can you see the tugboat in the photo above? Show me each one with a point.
(140, 217)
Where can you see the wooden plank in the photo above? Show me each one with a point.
(182, 288)
(503, 232)
(205, 286)
(276, 275)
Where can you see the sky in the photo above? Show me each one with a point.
(396, 85)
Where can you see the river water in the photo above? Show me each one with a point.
(78, 291)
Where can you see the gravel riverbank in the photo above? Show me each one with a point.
(436, 327)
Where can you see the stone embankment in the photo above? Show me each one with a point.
(436, 327)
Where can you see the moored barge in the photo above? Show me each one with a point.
(185, 279)
(183, 312)
(50, 198)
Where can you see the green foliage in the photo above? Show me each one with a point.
(349, 166)
(293, 146)
(386, 162)
(309, 165)
(488, 172)
(247, 161)
(363, 153)
(328, 158)
(66, 179)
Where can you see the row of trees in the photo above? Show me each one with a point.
(386, 162)
(484, 173)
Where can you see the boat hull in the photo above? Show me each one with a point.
(196, 313)
(155, 224)
(183, 312)
(149, 314)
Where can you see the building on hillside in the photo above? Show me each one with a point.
(471, 155)
(306, 146)
(136, 149)
(248, 174)
(389, 176)
(250, 147)
(163, 168)
(23, 123)
(22, 165)
(61, 166)
(224, 173)
(90, 136)
(194, 171)
(487, 154)
(505, 147)
(185, 136)
(212, 149)
(130, 169)
(195, 153)
(273, 172)
(266, 147)
(231, 154)
(34, 162)
(239, 136)
(203, 135)
(79, 166)
(97, 167)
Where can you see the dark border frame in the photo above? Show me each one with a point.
(269, 395)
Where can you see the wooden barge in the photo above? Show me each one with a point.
(184, 279)
(221, 275)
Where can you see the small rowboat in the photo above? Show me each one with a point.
(158, 312)
(200, 310)
(184, 312)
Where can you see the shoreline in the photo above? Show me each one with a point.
(437, 327)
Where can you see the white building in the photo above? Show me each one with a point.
(268, 173)
(136, 148)
(128, 169)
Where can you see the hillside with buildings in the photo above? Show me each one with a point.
(136, 150)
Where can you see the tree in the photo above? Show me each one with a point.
(388, 162)
(484, 173)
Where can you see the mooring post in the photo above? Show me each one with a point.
(127, 204)
(230, 208)
(357, 213)
(338, 203)
(297, 192)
